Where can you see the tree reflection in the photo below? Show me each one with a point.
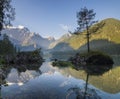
(6, 69)
(93, 63)
(24, 67)
(88, 93)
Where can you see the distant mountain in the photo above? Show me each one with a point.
(26, 40)
(62, 39)
(62, 47)
(107, 36)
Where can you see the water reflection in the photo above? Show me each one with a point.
(108, 82)
(17, 75)
(33, 85)
(48, 82)
(91, 93)
(49, 85)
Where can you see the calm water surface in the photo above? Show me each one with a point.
(50, 82)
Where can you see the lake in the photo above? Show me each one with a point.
(48, 82)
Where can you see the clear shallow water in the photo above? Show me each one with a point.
(50, 82)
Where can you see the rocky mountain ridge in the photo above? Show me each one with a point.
(25, 40)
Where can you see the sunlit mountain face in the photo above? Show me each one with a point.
(106, 39)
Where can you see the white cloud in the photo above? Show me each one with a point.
(65, 27)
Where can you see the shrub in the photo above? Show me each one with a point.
(62, 64)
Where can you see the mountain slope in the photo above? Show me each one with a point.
(62, 47)
(63, 38)
(23, 38)
(110, 32)
(103, 45)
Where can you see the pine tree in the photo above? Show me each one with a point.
(85, 21)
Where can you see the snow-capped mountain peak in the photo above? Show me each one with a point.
(21, 27)
(21, 36)
(51, 38)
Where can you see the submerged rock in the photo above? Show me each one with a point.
(91, 93)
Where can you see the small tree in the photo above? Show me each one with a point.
(86, 24)
(85, 21)
(7, 13)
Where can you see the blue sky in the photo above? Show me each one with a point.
(56, 17)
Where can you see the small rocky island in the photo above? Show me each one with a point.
(93, 62)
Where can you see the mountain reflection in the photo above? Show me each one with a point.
(21, 77)
(18, 74)
(108, 82)
(48, 82)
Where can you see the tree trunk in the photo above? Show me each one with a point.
(88, 45)
(86, 86)
(88, 37)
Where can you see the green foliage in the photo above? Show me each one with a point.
(7, 50)
(62, 64)
(6, 47)
(85, 19)
(92, 53)
(94, 62)
(103, 45)
(10, 56)
(2, 61)
(29, 57)
(7, 13)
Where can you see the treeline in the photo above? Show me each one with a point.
(9, 54)
(6, 47)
